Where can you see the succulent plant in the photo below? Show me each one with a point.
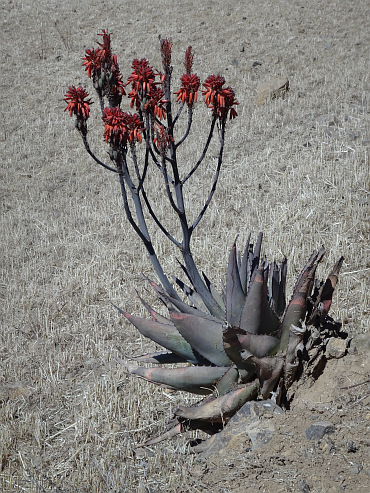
(256, 348)
(236, 345)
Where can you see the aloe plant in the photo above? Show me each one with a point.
(236, 345)
(254, 349)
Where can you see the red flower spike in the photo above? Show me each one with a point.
(213, 85)
(105, 45)
(230, 101)
(188, 92)
(162, 139)
(166, 48)
(121, 127)
(142, 77)
(155, 103)
(76, 103)
(93, 61)
(99, 60)
(220, 100)
(188, 60)
(119, 86)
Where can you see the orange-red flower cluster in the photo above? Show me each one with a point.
(166, 49)
(189, 90)
(155, 103)
(188, 60)
(121, 127)
(144, 88)
(77, 104)
(101, 65)
(142, 77)
(162, 139)
(220, 99)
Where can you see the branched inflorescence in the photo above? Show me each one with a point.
(237, 344)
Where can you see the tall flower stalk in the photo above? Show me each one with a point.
(247, 341)
(153, 124)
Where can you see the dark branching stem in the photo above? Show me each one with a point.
(87, 147)
(141, 188)
(174, 190)
(141, 228)
(190, 121)
(178, 113)
(100, 95)
(214, 185)
(210, 135)
(157, 221)
(179, 206)
(168, 189)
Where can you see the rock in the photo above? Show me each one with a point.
(303, 486)
(351, 446)
(317, 430)
(275, 88)
(260, 433)
(356, 468)
(245, 430)
(336, 348)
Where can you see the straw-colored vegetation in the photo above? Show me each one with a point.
(296, 168)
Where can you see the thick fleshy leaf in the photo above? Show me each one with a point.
(221, 408)
(257, 316)
(268, 371)
(178, 425)
(193, 296)
(172, 432)
(296, 335)
(259, 345)
(250, 262)
(236, 339)
(157, 317)
(162, 358)
(295, 313)
(324, 295)
(205, 336)
(184, 308)
(243, 269)
(196, 379)
(199, 296)
(308, 269)
(163, 334)
(233, 348)
(228, 381)
(277, 283)
(235, 296)
(217, 296)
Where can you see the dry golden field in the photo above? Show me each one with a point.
(296, 168)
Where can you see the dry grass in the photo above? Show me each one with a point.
(67, 251)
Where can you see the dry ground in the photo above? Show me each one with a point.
(297, 168)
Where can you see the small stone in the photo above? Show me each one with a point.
(336, 348)
(260, 433)
(303, 486)
(351, 446)
(356, 468)
(245, 430)
(317, 430)
(272, 89)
